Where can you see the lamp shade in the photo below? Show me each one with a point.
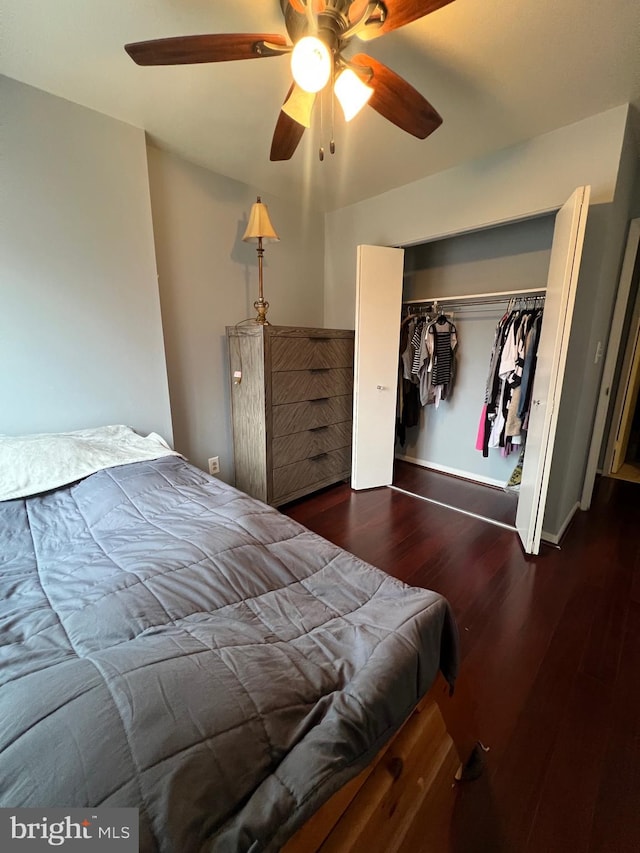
(259, 225)
(351, 92)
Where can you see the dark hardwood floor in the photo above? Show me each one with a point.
(488, 501)
(550, 649)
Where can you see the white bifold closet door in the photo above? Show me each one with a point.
(375, 365)
(562, 282)
(378, 309)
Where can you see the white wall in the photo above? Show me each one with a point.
(515, 183)
(80, 330)
(209, 279)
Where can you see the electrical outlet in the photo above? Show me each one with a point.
(214, 465)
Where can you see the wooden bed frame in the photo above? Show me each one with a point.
(403, 800)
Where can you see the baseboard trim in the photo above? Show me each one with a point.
(456, 472)
(556, 537)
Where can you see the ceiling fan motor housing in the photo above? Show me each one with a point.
(332, 22)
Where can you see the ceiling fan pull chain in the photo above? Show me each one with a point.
(321, 150)
(332, 144)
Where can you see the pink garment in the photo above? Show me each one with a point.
(480, 438)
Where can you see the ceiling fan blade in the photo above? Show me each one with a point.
(287, 134)
(399, 13)
(397, 100)
(184, 50)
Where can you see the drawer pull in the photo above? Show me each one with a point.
(319, 399)
(319, 369)
(318, 429)
(317, 458)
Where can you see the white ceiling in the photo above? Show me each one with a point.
(498, 71)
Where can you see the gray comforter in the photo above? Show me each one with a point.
(171, 644)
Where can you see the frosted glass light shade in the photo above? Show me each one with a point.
(352, 93)
(311, 64)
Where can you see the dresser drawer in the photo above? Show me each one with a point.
(301, 445)
(291, 386)
(292, 412)
(296, 417)
(310, 472)
(306, 353)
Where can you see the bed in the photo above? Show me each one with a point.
(171, 644)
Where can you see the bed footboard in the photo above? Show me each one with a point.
(406, 791)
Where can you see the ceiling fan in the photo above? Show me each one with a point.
(320, 31)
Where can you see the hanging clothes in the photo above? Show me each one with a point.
(493, 387)
(513, 426)
(408, 405)
(529, 367)
(426, 367)
(441, 342)
(504, 414)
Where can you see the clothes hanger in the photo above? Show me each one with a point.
(441, 317)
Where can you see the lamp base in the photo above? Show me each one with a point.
(261, 307)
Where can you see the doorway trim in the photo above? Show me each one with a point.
(613, 350)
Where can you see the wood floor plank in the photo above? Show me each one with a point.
(540, 715)
(616, 822)
(551, 649)
(488, 501)
(573, 774)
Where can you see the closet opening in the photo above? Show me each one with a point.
(472, 311)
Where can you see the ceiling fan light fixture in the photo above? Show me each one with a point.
(311, 64)
(316, 62)
(352, 93)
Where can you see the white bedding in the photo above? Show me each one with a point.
(30, 464)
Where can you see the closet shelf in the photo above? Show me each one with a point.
(479, 298)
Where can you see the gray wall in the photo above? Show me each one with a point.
(605, 241)
(635, 197)
(519, 182)
(511, 257)
(80, 330)
(209, 279)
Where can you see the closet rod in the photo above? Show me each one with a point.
(480, 298)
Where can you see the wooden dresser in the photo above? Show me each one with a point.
(291, 409)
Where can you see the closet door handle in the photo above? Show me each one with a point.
(381, 387)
